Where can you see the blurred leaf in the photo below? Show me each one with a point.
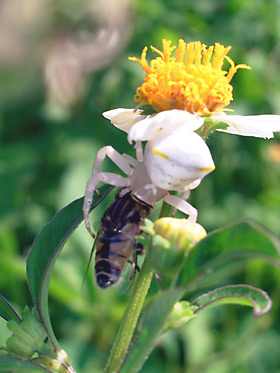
(221, 248)
(243, 295)
(7, 311)
(17, 365)
(44, 252)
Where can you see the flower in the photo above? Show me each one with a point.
(189, 92)
(197, 85)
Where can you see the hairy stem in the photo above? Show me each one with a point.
(130, 318)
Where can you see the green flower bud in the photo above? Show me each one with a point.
(181, 313)
(173, 239)
(28, 335)
(181, 233)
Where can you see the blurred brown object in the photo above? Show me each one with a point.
(67, 39)
(21, 23)
(273, 153)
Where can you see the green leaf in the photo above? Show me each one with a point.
(148, 110)
(222, 249)
(45, 250)
(243, 295)
(7, 311)
(17, 365)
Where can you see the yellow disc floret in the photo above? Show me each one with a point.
(195, 83)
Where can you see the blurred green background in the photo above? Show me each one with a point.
(64, 62)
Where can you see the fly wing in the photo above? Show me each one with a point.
(130, 271)
(102, 197)
(125, 282)
(90, 257)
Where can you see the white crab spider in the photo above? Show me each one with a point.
(171, 162)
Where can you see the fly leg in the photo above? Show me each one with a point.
(138, 250)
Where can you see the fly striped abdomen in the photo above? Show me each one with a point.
(116, 239)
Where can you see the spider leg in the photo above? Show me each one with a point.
(139, 155)
(139, 151)
(182, 206)
(115, 156)
(131, 160)
(193, 185)
(107, 177)
(187, 192)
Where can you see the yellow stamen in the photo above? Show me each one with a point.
(198, 84)
(157, 152)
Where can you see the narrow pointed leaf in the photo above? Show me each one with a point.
(45, 250)
(7, 311)
(243, 295)
(17, 365)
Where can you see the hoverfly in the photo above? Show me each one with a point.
(116, 241)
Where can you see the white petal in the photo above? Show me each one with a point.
(251, 125)
(163, 123)
(124, 119)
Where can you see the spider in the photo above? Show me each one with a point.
(175, 161)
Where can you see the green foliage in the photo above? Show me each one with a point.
(45, 250)
(16, 365)
(7, 311)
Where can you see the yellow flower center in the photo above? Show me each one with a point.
(195, 83)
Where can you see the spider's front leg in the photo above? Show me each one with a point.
(192, 212)
(107, 177)
(182, 205)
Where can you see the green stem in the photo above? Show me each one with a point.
(132, 313)
(130, 318)
(166, 209)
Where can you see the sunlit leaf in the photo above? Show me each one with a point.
(44, 252)
(7, 311)
(242, 295)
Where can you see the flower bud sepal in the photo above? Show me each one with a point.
(28, 335)
(181, 313)
(210, 126)
(31, 341)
